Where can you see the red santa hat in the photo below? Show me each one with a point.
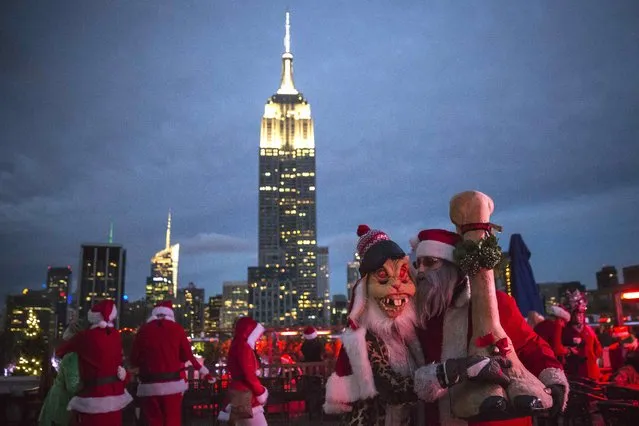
(310, 333)
(559, 312)
(437, 243)
(102, 314)
(164, 308)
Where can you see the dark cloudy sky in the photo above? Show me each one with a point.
(119, 110)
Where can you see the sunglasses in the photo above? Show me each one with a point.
(428, 262)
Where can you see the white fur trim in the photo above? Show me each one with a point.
(224, 416)
(341, 390)
(354, 342)
(102, 324)
(427, 385)
(162, 388)
(555, 376)
(432, 248)
(203, 370)
(114, 314)
(121, 373)
(359, 300)
(560, 312)
(255, 334)
(264, 397)
(310, 336)
(162, 310)
(165, 318)
(102, 404)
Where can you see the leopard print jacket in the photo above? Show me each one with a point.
(395, 399)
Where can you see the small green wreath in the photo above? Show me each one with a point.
(473, 256)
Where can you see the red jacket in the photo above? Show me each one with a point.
(533, 351)
(100, 357)
(160, 350)
(551, 331)
(588, 348)
(242, 362)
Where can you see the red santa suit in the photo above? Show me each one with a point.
(243, 367)
(447, 337)
(160, 350)
(103, 394)
(551, 331)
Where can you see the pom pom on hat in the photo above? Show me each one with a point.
(103, 314)
(559, 312)
(374, 248)
(310, 333)
(362, 229)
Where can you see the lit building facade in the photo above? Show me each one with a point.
(162, 284)
(235, 302)
(352, 274)
(190, 309)
(102, 272)
(323, 282)
(339, 310)
(503, 278)
(287, 240)
(607, 277)
(58, 284)
(39, 302)
(213, 313)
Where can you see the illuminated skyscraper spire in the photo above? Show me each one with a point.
(111, 233)
(168, 232)
(287, 87)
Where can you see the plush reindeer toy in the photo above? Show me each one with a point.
(470, 212)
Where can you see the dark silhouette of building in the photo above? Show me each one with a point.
(213, 314)
(631, 274)
(58, 284)
(607, 277)
(102, 271)
(19, 306)
(339, 310)
(190, 309)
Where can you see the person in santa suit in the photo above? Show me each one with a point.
(159, 351)
(551, 330)
(445, 327)
(102, 394)
(373, 380)
(581, 340)
(243, 366)
(312, 347)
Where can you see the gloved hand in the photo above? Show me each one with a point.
(476, 368)
(558, 393)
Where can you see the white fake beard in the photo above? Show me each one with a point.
(435, 292)
(395, 333)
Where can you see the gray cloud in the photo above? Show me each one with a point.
(215, 243)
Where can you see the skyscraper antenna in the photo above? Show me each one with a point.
(287, 34)
(168, 231)
(111, 233)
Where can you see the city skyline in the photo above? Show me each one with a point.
(150, 107)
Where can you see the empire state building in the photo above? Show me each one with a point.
(283, 288)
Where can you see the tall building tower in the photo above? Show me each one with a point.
(163, 282)
(352, 274)
(607, 277)
(190, 309)
(102, 271)
(323, 283)
(58, 283)
(287, 247)
(235, 297)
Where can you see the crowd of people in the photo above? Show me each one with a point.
(429, 342)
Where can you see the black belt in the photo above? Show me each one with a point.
(99, 382)
(159, 377)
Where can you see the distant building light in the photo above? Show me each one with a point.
(125, 297)
(25, 291)
(44, 285)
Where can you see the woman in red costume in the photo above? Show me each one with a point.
(581, 341)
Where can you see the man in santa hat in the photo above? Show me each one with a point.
(160, 350)
(312, 348)
(580, 339)
(246, 394)
(551, 330)
(373, 379)
(442, 303)
(102, 395)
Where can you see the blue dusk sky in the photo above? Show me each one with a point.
(121, 110)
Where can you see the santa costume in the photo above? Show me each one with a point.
(312, 348)
(373, 379)
(551, 330)
(446, 336)
(243, 367)
(102, 395)
(581, 340)
(160, 350)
